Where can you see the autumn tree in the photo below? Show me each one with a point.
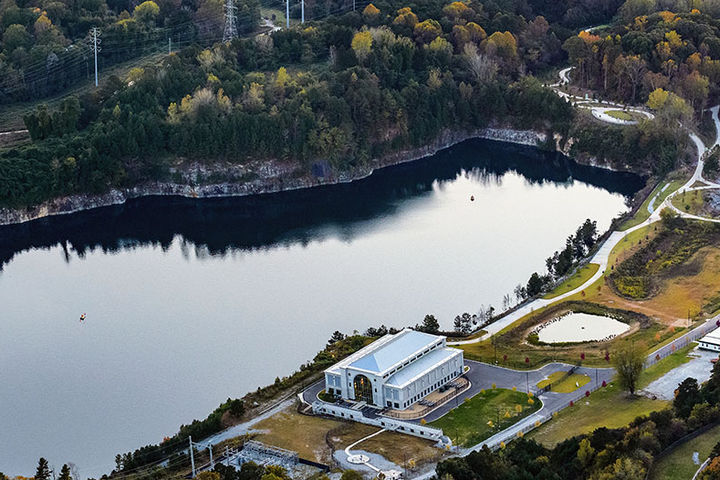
(628, 361)
(362, 45)
(371, 13)
(405, 16)
(146, 12)
(427, 30)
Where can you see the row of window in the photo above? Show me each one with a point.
(430, 389)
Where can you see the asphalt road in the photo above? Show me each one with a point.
(482, 376)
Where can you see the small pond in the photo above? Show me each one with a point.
(580, 327)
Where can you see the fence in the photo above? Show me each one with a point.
(320, 408)
(683, 341)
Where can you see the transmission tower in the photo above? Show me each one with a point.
(230, 21)
(95, 46)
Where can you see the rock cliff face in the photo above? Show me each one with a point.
(195, 180)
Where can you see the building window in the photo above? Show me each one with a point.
(396, 405)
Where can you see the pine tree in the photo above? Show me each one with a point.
(65, 473)
(43, 471)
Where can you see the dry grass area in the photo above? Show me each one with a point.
(395, 447)
(301, 433)
(679, 297)
(312, 436)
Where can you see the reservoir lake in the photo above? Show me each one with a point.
(189, 302)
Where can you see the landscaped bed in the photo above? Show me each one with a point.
(485, 414)
(561, 382)
(517, 348)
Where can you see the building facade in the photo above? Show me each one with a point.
(395, 371)
(711, 341)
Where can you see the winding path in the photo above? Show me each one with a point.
(601, 257)
(599, 112)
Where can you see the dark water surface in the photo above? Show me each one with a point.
(190, 302)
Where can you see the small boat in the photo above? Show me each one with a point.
(82, 317)
(472, 198)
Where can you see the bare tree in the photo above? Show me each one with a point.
(481, 66)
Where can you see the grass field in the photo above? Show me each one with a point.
(301, 433)
(567, 384)
(690, 202)
(642, 214)
(468, 424)
(578, 278)
(620, 115)
(608, 407)
(395, 447)
(678, 465)
(665, 365)
(310, 435)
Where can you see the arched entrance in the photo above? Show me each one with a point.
(363, 389)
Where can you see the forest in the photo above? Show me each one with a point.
(339, 93)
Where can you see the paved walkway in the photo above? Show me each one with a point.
(699, 368)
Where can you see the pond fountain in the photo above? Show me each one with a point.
(580, 327)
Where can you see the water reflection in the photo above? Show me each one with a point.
(218, 226)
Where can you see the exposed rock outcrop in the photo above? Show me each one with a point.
(197, 180)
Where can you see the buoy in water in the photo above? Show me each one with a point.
(82, 317)
(472, 198)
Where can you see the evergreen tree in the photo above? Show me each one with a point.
(65, 473)
(43, 470)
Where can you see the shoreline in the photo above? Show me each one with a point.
(271, 178)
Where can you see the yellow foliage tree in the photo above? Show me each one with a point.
(457, 11)
(503, 44)
(362, 45)
(371, 12)
(477, 33)
(657, 99)
(405, 16)
(427, 30)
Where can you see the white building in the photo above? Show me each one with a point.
(395, 371)
(711, 341)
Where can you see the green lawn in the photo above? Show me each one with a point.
(620, 115)
(678, 465)
(566, 385)
(468, 423)
(668, 363)
(642, 213)
(608, 407)
(580, 277)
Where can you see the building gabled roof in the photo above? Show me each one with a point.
(421, 366)
(387, 351)
(712, 338)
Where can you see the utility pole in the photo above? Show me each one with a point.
(287, 13)
(212, 464)
(227, 456)
(192, 458)
(169, 45)
(353, 5)
(302, 11)
(230, 31)
(96, 48)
